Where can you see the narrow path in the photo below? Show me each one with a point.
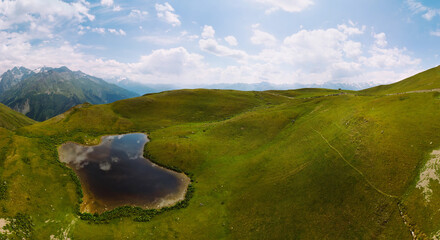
(354, 168)
(416, 91)
(320, 96)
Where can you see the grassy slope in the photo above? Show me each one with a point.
(429, 79)
(266, 165)
(11, 119)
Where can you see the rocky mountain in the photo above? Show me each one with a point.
(51, 91)
(13, 76)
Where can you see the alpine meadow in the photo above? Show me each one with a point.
(244, 119)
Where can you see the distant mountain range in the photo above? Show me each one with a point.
(141, 88)
(47, 92)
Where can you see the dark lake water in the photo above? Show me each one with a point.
(115, 173)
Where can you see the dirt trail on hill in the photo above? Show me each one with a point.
(416, 91)
(354, 168)
(328, 95)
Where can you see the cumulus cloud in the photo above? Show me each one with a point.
(286, 5)
(351, 30)
(208, 32)
(42, 17)
(381, 40)
(174, 61)
(210, 45)
(389, 58)
(325, 55)
(231, 40)
(166, 13)
(16, 12)
(213, 47)
(306, 56)
(262, 38)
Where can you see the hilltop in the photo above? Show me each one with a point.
(297, 164)
(427, 80)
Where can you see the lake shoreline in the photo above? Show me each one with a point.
(91, 204)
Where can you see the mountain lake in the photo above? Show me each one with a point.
(115, 173)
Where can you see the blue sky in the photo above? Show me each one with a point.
(230, 41)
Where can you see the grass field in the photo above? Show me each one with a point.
(10, 119)
(299, 164)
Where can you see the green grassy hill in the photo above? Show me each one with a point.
(303, 164)
(427, 80)
(10, 119)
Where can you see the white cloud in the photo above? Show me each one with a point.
(42, 17)
(381, 40)
(306, 56)
(325, 55)
(263, 38)
(208, 32)
(315, 48)
(83, 30)
(117, 32)
(212, 46)
(107, 3)
(435, 33)
(98, 30)
(419, 8)
(389, 58)
(352, 49)
(286, 5)
(231, 40)
(166, 13)
(351, 30)
(135, 13)
(172, 61)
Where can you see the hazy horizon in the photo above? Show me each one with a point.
(196, 43)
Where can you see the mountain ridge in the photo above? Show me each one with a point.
(52, 91)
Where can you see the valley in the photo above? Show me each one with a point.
(294, 164)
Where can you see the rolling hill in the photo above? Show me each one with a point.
(52, 91)
(429, 79)
(11, 119)
(297, 164)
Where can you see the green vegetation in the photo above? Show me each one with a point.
(429, 79)
(10, 119)
(300, 164)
